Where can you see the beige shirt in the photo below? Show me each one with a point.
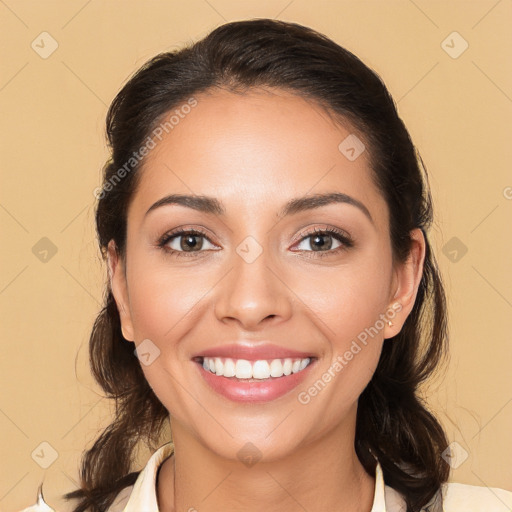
(141, 496)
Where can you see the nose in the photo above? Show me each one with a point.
(253, 294)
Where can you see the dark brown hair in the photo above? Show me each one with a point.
(393, 423)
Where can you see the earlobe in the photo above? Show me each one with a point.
(406, 280)
(119, 289)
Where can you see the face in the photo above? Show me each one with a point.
(317, 280)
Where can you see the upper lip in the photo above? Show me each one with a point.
(253, 352)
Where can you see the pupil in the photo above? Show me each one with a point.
(317, 237)
(191, 242)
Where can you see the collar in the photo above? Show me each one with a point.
(143, 494)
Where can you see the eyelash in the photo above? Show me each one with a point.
(339, 235)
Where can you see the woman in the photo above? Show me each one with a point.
(272, 289)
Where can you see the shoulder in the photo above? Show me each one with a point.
(143, 488)
(68, 506)
(459, 498)
(472, 498)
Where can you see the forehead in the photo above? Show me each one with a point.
(261, 147)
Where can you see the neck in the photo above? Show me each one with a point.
(323, 475)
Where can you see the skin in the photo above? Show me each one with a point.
(254, 152)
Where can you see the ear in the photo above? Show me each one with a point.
(117, 278)
(406, 280)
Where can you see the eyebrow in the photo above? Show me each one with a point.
(211, 205)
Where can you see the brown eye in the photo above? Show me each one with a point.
(190, 242)
(321, 241)
(179, 242)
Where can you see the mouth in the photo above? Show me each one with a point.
(262, 380)
(253, 371)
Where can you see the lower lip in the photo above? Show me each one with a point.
(264, 391)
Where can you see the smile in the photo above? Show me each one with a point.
(241, 380)
(259, 370)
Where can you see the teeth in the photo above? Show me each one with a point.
(243, 369)
(229, 368)
(219, 367)
(261, 369)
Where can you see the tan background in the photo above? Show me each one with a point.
(458, 111)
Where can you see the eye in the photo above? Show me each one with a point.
(320, 241)
(184, 242)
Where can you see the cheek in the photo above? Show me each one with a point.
(346, 306)
(353, 337)
(164, 300)
(166, 304)
(347, 300)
